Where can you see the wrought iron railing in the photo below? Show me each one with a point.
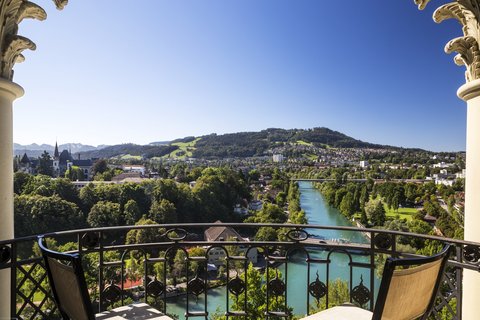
(171, 266)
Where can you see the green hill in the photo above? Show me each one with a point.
(130, 149)
(241, 144)
(248, 144)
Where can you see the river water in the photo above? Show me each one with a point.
(318, 212)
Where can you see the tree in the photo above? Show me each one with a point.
(257, 297)
(420, 227)
(108, 192)
(270, 213)
(35, 214)
(178, 172)
(74, 173)
(88, 197)
(338, 292)
(196, 266)
(218, 190)
(134, 191)
(105, 214)
(66, 190)
(364, 196)
(411, 192)
(194, 173)
(107, 175)
(253, 175)
(20, 181)
(375, 212)
(347, 205)
(432, 208)
(131, 212)
(45, 164)
(100, 166)
(339, 194)
(281, 198)
(363, 218)
(180, 195)
(163, 212)
(146, 235)
(266, 234)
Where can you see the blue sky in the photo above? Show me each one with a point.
(118, 71)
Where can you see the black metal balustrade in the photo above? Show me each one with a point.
(109, 256)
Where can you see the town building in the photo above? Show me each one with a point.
(217, 254)
(60, 163)
(364, 164)
(278, 158)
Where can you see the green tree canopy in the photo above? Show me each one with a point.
(146, 235)
(163, 211)
(131, 212)
(257, 297)
(45, 164)
(20, 181)
(105, 214)
(375, 212)
(100, 166)
(35, 214)
(74, 173)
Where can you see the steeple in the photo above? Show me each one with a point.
(56, 154)
(25, 159)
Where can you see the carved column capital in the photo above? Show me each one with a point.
(12, 13)
(467, 13)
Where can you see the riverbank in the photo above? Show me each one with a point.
(318, 212)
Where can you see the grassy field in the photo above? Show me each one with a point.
(403, 213)
(301, 142)
(130, 157)
(186, 147)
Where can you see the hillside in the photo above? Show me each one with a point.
(147, 151)
(248, 144)
(241, 144)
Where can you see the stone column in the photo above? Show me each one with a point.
(470, 93)
(467, 47)
(9, 91)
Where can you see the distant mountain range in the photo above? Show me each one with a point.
(241, 144)
(35, 150)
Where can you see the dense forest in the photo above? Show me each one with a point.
(367, 202)
(43, 204)
(147, 151)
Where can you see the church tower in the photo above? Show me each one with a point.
(56, 155)
(56, 161)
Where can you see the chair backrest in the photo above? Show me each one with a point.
(67, 281)
(409, 293)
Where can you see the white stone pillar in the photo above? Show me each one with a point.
(470, 93)
(9, 91)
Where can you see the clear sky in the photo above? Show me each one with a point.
(118, 71)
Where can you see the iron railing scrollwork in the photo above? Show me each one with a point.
(170, 263)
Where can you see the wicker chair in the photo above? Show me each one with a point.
(67, 280)
(405, 293)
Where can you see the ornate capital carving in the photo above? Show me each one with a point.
(12, 13)
(467, 13)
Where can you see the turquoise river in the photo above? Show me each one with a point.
(318, 213)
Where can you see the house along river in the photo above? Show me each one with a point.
(318, 213)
